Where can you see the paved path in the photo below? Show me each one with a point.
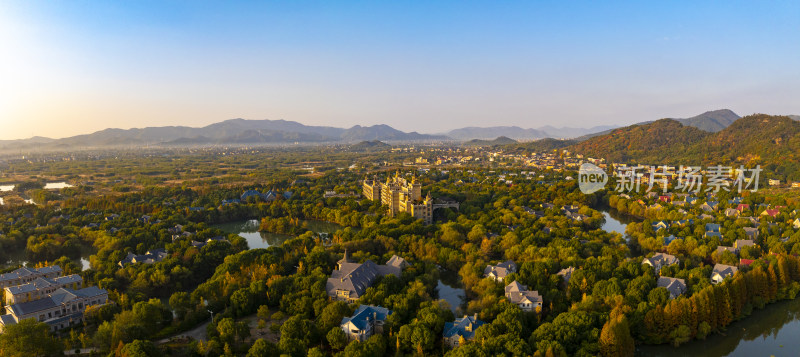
(198, 333)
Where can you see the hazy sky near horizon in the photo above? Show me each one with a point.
(74, 67)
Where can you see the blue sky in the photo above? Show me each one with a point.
(73, 67)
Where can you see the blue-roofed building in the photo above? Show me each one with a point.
(464, 327)
(365, 322)
(230, 201)
(287, 194)
(250, 193)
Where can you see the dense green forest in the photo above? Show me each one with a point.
(273, 301)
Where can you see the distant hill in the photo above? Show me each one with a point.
(517, 133)
(496, 131)
(369, 146)
(711, 121)
(794, 117)
(542, 145)
(642, 142)
(502, 140)
(383, 132)
(233, 131)
(770, 141)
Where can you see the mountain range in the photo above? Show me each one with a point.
(255, 132)
(759, 139)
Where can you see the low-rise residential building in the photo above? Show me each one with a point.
(40, 288)
(500, 271)
(722, 271)
(349, 281)
(26, 275)
(660, 260)
(152, 256)
(519, 295)
(675, 286)
(740, 243)
(461, 330)
(60, 309)
(365, 322)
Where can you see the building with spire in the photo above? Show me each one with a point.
(400, 195)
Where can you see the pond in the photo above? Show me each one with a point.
(56, 185)
(451, 290)
(19, 257)
(249, 231)
(773, 330)
(615, 221)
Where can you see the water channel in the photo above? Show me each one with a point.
(249, 231)
(772, 331)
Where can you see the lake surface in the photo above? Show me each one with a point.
(56, 185)
(451, 290)
(615, 221)
(772, 331)
(249, 231)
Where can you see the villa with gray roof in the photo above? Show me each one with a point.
(660, 260)
(41, 287)
(365, 322)
(349, 281)
(722, 271)
(26, 275)
(675, 286)
(461, 328)
(500, 271)
(527, 300)
(151, 257)
(60, 309)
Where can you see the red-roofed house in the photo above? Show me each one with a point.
(745, 262)
(771, 212)
(742, 207)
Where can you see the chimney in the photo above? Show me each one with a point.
(475, 317)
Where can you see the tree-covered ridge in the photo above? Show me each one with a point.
(770, 141)
(655, 142)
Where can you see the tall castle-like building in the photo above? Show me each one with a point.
(401, 195)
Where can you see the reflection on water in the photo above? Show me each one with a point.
(450, 289)
(771, 331)
(615, 221)
(255, 239)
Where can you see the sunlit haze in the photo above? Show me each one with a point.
(74, 67)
